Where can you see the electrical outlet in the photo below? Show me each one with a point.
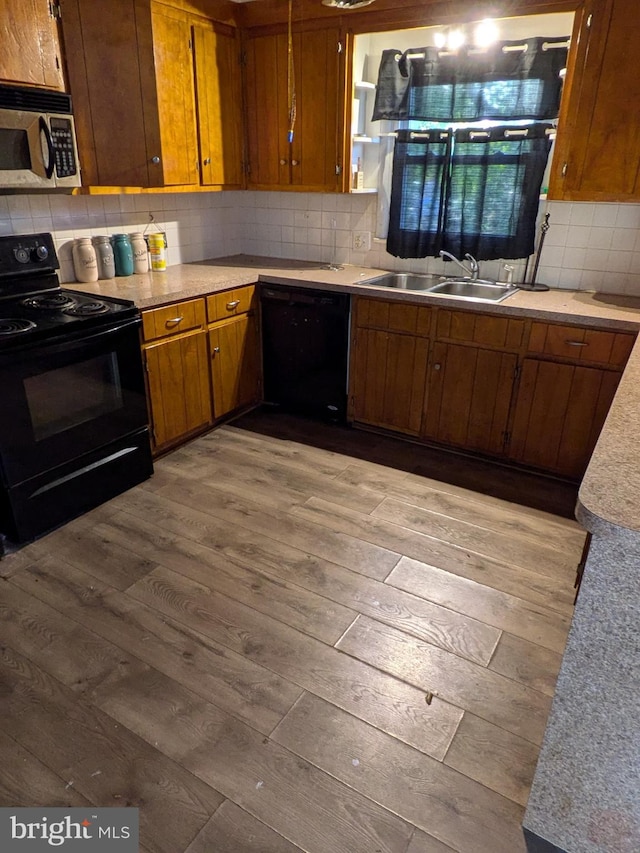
(361, 241)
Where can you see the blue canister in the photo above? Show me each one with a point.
(123, 254)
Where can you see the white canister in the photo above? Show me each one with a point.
(85, 262)
(157, 250)
(140, 256)
(104, 254)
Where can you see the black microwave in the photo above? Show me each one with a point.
(38, 148)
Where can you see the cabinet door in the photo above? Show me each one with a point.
(103, 63)
(314, 152)
(30, 44)
(179, 389)
(388, 379)
(309, 162)
(266, 111)
(469, 397)
(598, 145)
(559, 412)
(175, 97)
(219, 103)
(235, 364)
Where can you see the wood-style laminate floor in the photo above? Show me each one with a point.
(274, 647)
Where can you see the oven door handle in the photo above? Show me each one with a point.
(70, 342)
(44, 131)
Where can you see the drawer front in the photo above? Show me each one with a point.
(230, 303)
(393, 316)
(579, 344)
(173, 319)
(482, 329)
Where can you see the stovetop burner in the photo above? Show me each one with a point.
(60, 301)
(10, 326)
(34, 307)
(87, 309)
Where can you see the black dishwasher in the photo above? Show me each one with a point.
(305, 335)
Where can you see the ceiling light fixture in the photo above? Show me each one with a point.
(347, 4)
(455, 39)
(486, 33)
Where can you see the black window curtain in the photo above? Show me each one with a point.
(510, 80)
(473, 191)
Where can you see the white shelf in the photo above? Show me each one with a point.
(360, 139)
(365, 191)
(364, 85)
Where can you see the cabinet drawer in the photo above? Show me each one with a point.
(393, 316)
(230, 303)
(173, 319)
(579, 344)
(482, 329)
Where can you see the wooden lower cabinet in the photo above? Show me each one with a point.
(469, 392)
(533, 393)
(178, 384)
(559, 412)
(234, 346)
(389, 380)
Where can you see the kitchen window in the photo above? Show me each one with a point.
(474, 142)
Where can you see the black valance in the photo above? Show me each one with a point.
(509, 80)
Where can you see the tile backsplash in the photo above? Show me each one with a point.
(588, 246)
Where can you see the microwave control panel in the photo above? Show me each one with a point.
(65, 156)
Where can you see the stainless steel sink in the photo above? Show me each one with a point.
(480, 290)
(406, 281)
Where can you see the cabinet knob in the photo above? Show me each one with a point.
(155, 160)
(216, 350)
(295, 162)
(207, 160)
(283, 162)
(437, 366)
(233, 304)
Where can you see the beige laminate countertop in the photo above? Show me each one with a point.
(610, 491)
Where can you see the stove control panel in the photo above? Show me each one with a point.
(22, 254)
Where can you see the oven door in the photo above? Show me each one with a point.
(64, 399)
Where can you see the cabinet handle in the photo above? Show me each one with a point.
(216, 350)
(437, 366)
(155, 160)
(233, 304)
(577, 343)
(283, 162)
(207, 160)
(173, 322)
(295, 162)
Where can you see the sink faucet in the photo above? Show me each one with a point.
(473, 268)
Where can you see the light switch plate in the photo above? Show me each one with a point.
(361, 241)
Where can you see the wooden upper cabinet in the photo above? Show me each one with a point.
(133, 81)
(219, 104)
(172, 111)
(30, 52)
(597, 154)
(311, 160)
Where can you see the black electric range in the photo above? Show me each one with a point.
(73, 420)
